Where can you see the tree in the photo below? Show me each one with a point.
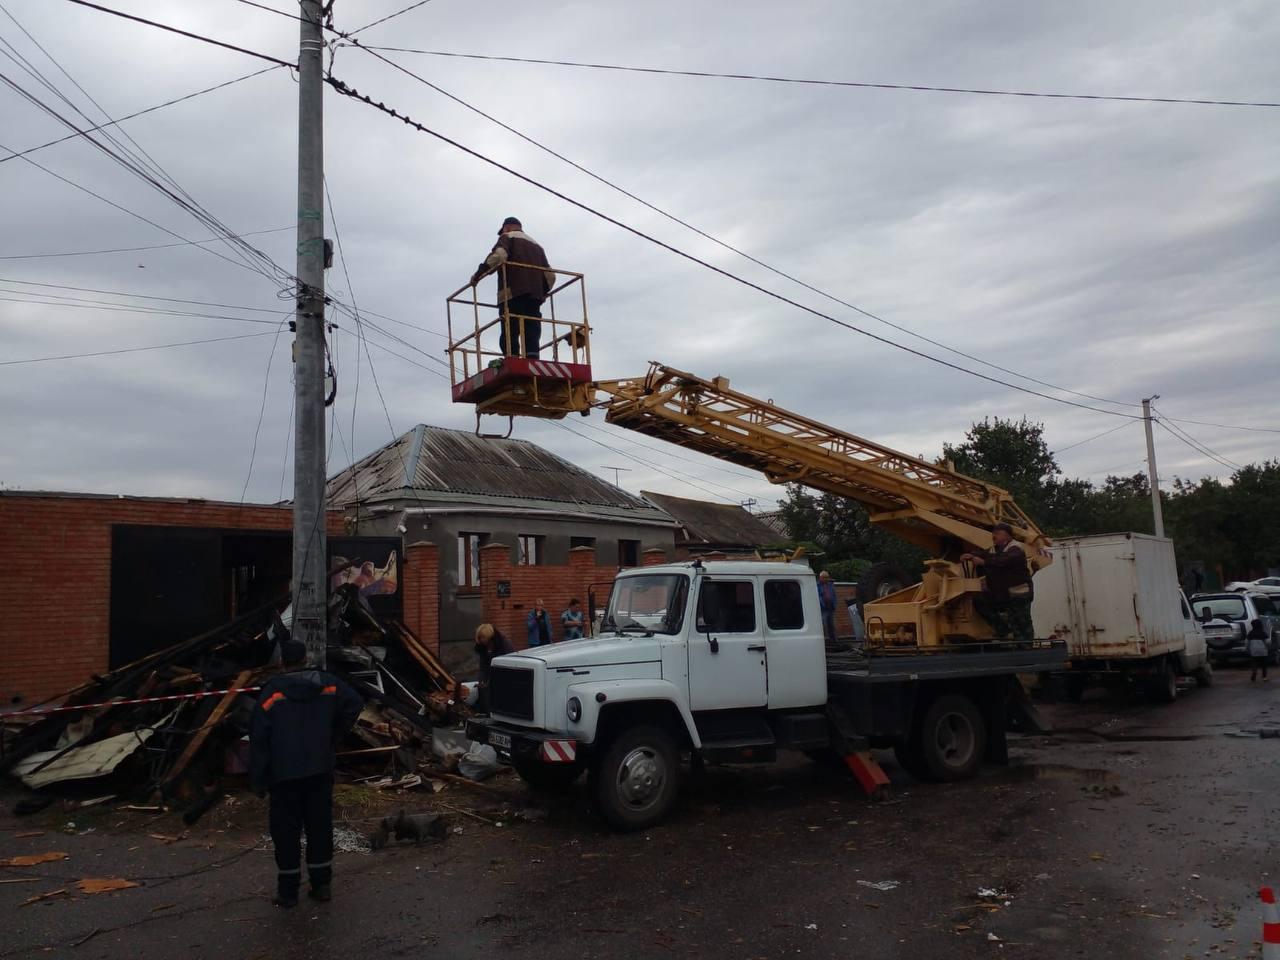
(1011, 454)
(842, 529)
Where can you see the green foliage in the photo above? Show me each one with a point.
(1234, 526)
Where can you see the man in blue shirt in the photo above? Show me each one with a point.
(827, 603)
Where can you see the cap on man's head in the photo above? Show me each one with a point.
(293, 652)
(1003, 526)
(511, 222)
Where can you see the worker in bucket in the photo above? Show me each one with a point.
(1005, 600)
(300, 716)
(521, 289)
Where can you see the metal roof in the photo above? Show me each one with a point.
(716, 524)
(434, 464)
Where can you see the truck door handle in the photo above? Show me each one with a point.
(757, 647)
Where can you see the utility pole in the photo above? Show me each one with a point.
(748, 504)
(1153, 476)
(310, 586)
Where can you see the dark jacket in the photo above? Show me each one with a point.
(1007, 573)
(300, 717)
(499, 646)
(519, 247)
(537, 628)
(827, 596)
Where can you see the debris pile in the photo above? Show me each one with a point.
(172, 728)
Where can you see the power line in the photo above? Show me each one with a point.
(154, 346)
(184, 33)
(1196, 445)
(350, 92)
(262, 410)
(727, 246)
(140, 311)
(153, 246)
(836, 83)
(1081, 443)
(1223, 426)
(136, 296)
(390, 16)
(1204, 454)
(139, 113)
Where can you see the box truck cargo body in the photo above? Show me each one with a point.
(1115, 600)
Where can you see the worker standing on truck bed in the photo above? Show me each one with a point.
(521, 289)
(827, 604)
(1005, 601)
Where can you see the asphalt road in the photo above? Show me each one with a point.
(1138, 831)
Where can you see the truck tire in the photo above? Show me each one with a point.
(547, 777)
(952, 739)
(1163, 687)
(1073, 685)
(637, 779)
(910, 759)
(881, 580)
(1204, 676)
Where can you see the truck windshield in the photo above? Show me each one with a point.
(653, 603)
(1227, 608)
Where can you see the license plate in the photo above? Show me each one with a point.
(499, 740)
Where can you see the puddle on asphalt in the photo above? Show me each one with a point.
(1055, 771)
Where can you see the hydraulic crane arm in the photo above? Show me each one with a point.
(924, 503)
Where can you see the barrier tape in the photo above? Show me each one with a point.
(126, 703)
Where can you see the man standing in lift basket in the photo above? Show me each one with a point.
(300, 716)
(521, 289)
(1005, 601)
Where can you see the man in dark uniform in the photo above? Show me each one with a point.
(300, 716)
(1005, 601)
(521, 289)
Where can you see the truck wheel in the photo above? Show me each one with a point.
(548, 777)
(953, 739)
(1164, 685)
(909, 759)
(1204, 676)
(881, 580)
(1074, 686)
(637, 779)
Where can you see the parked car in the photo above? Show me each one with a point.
(1229, 618)
(1268, 585)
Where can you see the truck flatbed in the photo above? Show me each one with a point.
(963, 660)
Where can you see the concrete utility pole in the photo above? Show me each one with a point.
(1154, 477)
(310, 594)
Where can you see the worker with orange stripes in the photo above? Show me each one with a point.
(300, 716)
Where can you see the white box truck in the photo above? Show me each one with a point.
(1115, 600)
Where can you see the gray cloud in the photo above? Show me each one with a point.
(1117, 249)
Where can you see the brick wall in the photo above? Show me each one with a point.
(553, 585)
(420, 592)
(56, 589)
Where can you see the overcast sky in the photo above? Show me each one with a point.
(1115, 249)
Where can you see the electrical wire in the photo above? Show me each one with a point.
(153, 246)
(1222, 426)
(836, 83)
(354, 94)
(1203, 453)
(727, 246)
(262, 409)
(136, 296)
(1081, 443)
(184, 33)
(154, 346)
(1195, 444)
(139, 311)
(390, 16)
(139, 113)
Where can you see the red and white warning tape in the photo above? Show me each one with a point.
(125, 703)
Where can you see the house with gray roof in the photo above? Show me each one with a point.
(463, 492)
(703, 527)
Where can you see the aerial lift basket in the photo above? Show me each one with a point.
(554, 382)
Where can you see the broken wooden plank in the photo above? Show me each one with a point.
(215, 718)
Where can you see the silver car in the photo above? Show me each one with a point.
(1268, 585)
(1229, 618)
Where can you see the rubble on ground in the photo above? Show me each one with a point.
(171, 730)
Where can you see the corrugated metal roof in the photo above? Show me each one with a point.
(478, 469)
(716, 524)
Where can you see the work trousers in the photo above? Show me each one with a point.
(299, 806)
(829, 626)
(523, 312)
(1007, 617)
(1259, 663)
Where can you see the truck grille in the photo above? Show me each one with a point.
(511, 692)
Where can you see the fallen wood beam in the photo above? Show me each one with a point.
(201, 735)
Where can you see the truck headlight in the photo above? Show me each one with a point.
(574, 709)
